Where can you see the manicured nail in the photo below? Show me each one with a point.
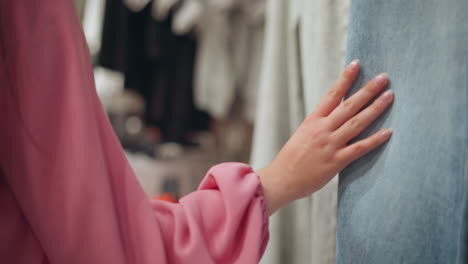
(380, 79)
(386, 132)
(387, 96)
(353, 65)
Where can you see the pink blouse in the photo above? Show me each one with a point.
(67, 192)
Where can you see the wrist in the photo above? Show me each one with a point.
(274, 188)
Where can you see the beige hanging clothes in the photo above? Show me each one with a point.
(304, 54)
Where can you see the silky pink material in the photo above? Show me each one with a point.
(67, 193)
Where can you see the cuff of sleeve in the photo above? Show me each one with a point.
(265, 226)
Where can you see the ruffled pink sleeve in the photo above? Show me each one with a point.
(66, 187)
(225, 221)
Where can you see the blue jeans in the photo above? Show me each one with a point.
(406, 201)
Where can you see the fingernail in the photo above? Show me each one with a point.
(381, 79)
(353, 65)
(386, 132)
(387, 96)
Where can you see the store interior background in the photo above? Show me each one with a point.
(221, 131)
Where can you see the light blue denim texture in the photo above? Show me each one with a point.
(406, 201)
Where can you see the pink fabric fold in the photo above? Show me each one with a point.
(67, 192)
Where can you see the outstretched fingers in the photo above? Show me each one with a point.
(355, 151)
(355, 103)
(363, 119)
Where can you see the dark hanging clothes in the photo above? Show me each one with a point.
(157, 63)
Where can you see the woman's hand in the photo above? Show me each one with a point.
(318, 150)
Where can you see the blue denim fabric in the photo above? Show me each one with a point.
(406, 201)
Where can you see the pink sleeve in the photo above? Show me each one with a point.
(78, 197)
(225, 221)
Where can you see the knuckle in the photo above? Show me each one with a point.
(333, 93)
(315, 134)
(379, 104)
(320, 139)
(311, 118)
(374, 109)
(356, 123)
(340, 157)
(348, 104)
(368, 93)
(372, 88)
(359, 148)
(318, 134)
(345, 78)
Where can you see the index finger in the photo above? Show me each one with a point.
(334, 96)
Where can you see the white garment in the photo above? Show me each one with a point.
(230, 48)
(304, 54)
(135, 5)
(93, 21)
(273, 123)
(324, 42)
(212, 53)
(161, 8)
(187, 17)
